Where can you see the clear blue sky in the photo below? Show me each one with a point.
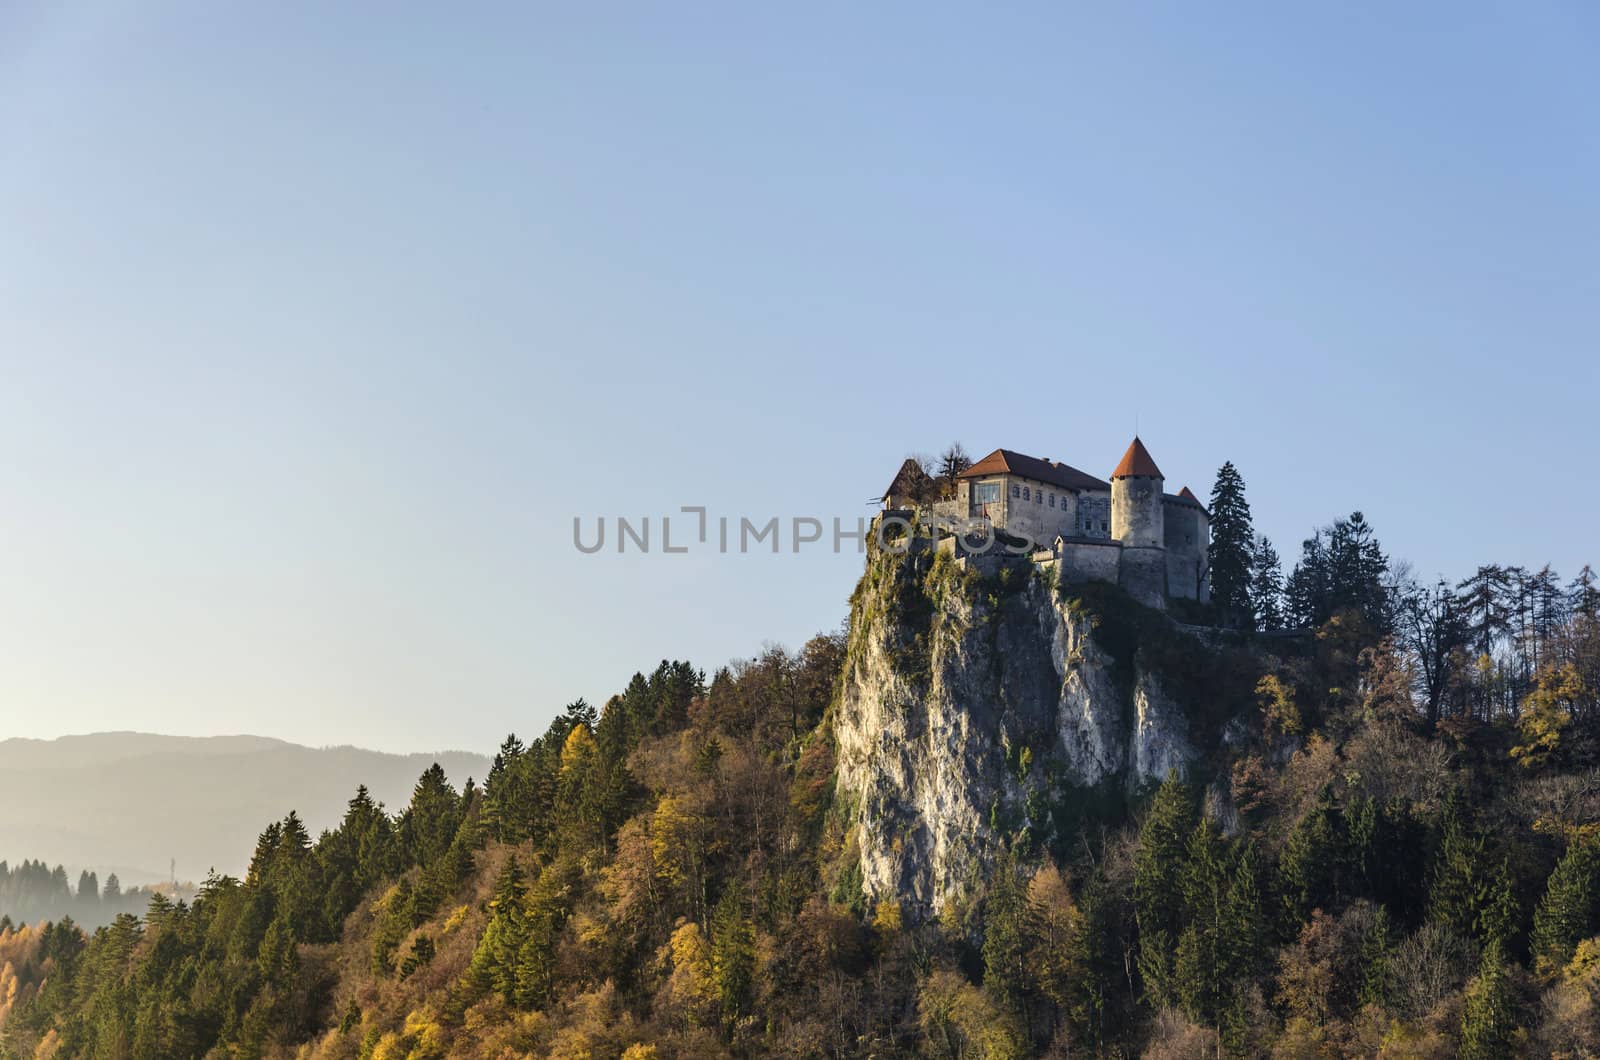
(319, 323)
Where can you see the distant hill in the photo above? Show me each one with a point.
(132, 802)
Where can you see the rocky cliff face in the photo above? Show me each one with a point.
(978, 704)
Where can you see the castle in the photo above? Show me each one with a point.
(1128, 531)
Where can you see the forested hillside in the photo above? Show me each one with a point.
(1395, 852)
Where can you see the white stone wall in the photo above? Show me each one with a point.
(1086, 562)
(1136, 516)
(1045, 512)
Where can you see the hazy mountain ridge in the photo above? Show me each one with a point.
(69, 800)
(97, 747)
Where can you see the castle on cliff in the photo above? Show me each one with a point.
(1128, 531)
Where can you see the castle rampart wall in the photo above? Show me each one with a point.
(1144, 575)
(1085, 561)
(1184, 574)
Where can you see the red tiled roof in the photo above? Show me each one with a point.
(1137, 462)
(1185, 498)
(1054, 473)
(1188, 495)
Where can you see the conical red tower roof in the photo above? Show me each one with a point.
(1137, 462)
(1187, 494)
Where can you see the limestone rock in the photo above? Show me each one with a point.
(972, 699)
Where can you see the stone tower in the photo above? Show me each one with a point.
(1137, 523)
(1136, 487)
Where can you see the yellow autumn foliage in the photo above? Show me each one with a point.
(1546, 711)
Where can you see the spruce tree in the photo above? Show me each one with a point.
(1308, 592)
(430, 822)
(1469, 894)
(1243, 944)
(504, 793)
(1266, 586)
(495, 962)
(1308, 869)
(1489, 1024)
(1566, 914)
(1158, 872)
(1357, 566)
(1200, 968)
(1373, 957)
(1004, 937)
(1232, 547)
(733, 955)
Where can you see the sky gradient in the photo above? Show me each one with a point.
(319, 326)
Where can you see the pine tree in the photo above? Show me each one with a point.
(504, 793)
(1232, 546)
(1308, 867)
(422, 951)
(1158, 871)
(1004, 943)
(579, 712)
(1266, 586)
(1357, 566)
(535, 960)
(1489, 1024)
(495, 962)
(1308, 592)
(509, 887)
(266, 851)
(1373, 959)
(733, 956)
(1242, 932)
(1567, 913)
(1469, 894)
(430, 822)
(277, 958)
(1201, 964)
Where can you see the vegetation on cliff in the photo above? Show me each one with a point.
(1390, 850)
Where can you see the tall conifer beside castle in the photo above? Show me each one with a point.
(1266, 585)
(1233, 541)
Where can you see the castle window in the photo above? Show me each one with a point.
(1052, 500)
(1016, 491)
(1025, 494)
(1038, 498)
(986, 493)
